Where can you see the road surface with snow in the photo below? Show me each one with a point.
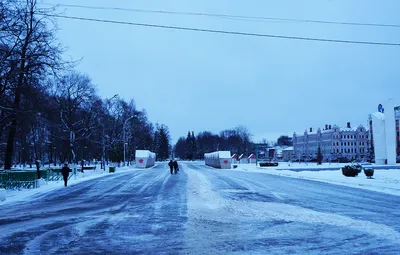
(202, 211)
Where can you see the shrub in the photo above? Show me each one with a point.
(264, 164)
(350, 171)
(369, 172)
(358, 167)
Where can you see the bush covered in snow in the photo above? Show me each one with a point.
(350, 171)
(369, 172)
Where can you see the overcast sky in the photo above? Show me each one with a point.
(201, 81)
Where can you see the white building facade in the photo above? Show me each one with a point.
(335, 143)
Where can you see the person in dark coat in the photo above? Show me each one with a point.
(171, 165)
(176, 168)
(65, 172)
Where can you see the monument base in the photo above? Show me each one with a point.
(380, 161)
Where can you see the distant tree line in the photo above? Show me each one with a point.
(52, 113)
(284, 140)
(236, 140)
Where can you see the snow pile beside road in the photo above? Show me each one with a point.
(2, 195)
(386, 181)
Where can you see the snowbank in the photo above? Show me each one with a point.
(385, 181)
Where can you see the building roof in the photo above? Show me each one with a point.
(218, 154)
(315, 131)
(145, 154)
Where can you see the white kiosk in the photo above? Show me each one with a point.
(145, 158)
(218, 159)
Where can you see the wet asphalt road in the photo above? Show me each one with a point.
(202, 211)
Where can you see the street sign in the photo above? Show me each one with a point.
(380, 108)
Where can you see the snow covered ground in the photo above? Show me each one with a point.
(202, 210)
(384, 180)
(26, 194)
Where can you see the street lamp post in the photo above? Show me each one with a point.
(124, 138)
(54, 154)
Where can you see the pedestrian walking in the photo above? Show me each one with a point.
(65, 172)
(171, 166)
(176, 167)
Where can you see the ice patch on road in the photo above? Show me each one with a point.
(206, 204)
(278, 195)
(235, 191)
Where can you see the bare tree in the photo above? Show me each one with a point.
(32, 52)
(76, 96)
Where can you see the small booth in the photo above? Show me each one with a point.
(145, 158)
(252, 159)
(243, 159)
(234, 159)
(219, 159)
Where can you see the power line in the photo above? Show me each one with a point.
(238, 17)
(223, 31)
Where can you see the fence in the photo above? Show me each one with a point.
(27, 179)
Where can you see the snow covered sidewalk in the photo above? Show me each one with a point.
(24, 194)
(386, 181)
